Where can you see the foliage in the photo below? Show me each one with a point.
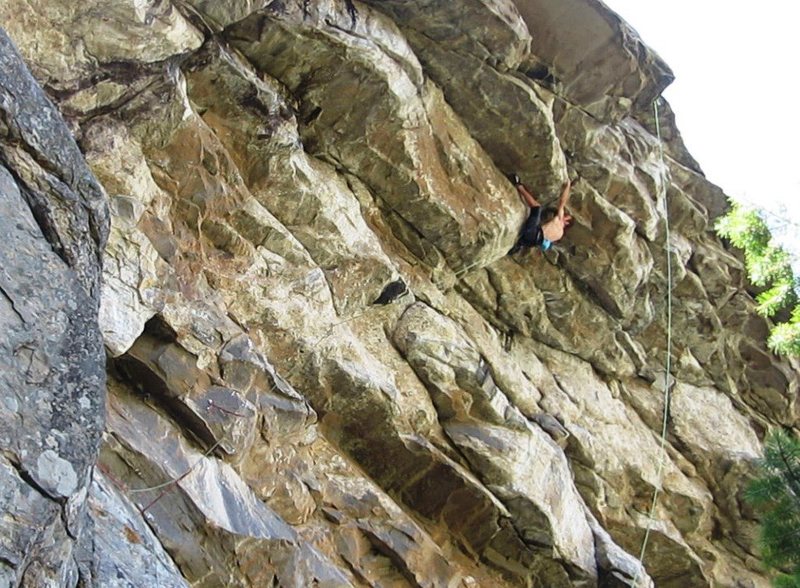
(776, 493)
(768, 266)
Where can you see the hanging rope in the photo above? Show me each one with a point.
(662, 197)
(167, 487)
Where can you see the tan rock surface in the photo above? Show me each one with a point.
(323, 367)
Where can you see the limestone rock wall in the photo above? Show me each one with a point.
(322, 369)
(54, 221)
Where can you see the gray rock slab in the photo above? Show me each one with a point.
(53, 221)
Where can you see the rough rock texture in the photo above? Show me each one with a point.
(54, 222)
(323, 369)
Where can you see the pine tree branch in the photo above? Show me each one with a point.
(790, 474)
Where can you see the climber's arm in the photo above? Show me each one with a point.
(562, 201)
(562, 204)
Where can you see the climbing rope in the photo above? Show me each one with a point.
(169, 485)
(662, 197)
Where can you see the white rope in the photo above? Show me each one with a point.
(275, 383)
(660, 473)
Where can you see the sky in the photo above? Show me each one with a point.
(736, 93)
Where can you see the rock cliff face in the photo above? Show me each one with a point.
(321, 368)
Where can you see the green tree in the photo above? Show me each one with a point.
(768, 266)
(776, 494)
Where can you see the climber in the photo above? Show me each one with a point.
(543, 227)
